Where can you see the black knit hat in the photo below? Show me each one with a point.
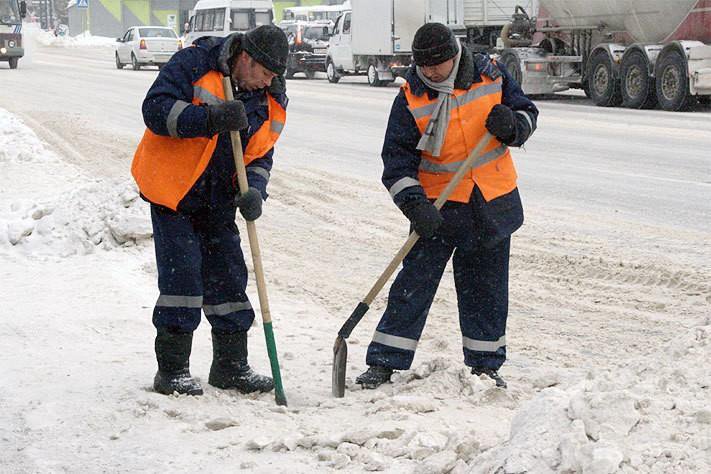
(268, 46)
(434, 43)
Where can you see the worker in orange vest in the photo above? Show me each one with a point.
(451, 99)
(184, 167)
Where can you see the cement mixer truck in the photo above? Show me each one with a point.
(634, 53)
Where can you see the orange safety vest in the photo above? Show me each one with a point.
(466, 127)
(165, 168)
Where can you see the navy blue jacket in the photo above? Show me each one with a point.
(499, 217)
(215, 189)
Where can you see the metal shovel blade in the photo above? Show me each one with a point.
(340, 359)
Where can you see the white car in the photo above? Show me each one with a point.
(146, 45)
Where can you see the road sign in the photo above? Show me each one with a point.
(82, 3)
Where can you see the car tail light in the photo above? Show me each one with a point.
(180, 44)
(299, 40)
(142, 45)
(538, 67)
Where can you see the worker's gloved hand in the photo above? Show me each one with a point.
(501, 122)
(250, 204)
(425, 218)
(226, 116)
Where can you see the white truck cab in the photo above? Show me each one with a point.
(223, 17)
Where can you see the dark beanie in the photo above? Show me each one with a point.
(434, 43)
(268, 46)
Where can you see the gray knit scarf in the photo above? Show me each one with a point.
(436, 130)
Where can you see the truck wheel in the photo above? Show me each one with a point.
(672, 82)
(512, 65)
(13, 62)
(134, 62)
(331, 73)
(586, 88)
(604, 86)
(119, 64)
(374, 77)
(637, 86)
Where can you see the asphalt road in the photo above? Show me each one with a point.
(649, 166)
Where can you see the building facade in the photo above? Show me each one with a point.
(112, 18)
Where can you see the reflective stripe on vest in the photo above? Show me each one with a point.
(495, 174)
(166, 167)
(264, 139)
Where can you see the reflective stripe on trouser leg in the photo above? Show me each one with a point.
(481, 277)
(409, 303)
(226, 305)
(178, 260)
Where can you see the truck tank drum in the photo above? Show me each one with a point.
(647, 21)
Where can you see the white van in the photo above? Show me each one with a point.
(375, 37)
(223, 17)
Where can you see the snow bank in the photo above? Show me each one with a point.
(650, 417)
(71, 212)
(84, 40)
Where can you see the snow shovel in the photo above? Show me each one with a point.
(340, 348)
(256, 258)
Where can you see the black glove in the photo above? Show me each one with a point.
(501, 122)
(226, 116)
(425, 218)
(250, 204)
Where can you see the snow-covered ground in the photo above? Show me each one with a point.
(609, 334)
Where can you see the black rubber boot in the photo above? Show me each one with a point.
(230, 368)
(491, 373)
(173, 355)
(374, 377)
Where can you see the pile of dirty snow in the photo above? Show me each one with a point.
(71, 212)
(651, 416)
(420, 423)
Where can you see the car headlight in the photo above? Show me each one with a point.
(3, 50)
(11, 44)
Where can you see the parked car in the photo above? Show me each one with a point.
(308, 42)
(146, 45)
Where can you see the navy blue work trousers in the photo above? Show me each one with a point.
(481, 273)
(200, 268)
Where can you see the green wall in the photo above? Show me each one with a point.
(141, 9)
